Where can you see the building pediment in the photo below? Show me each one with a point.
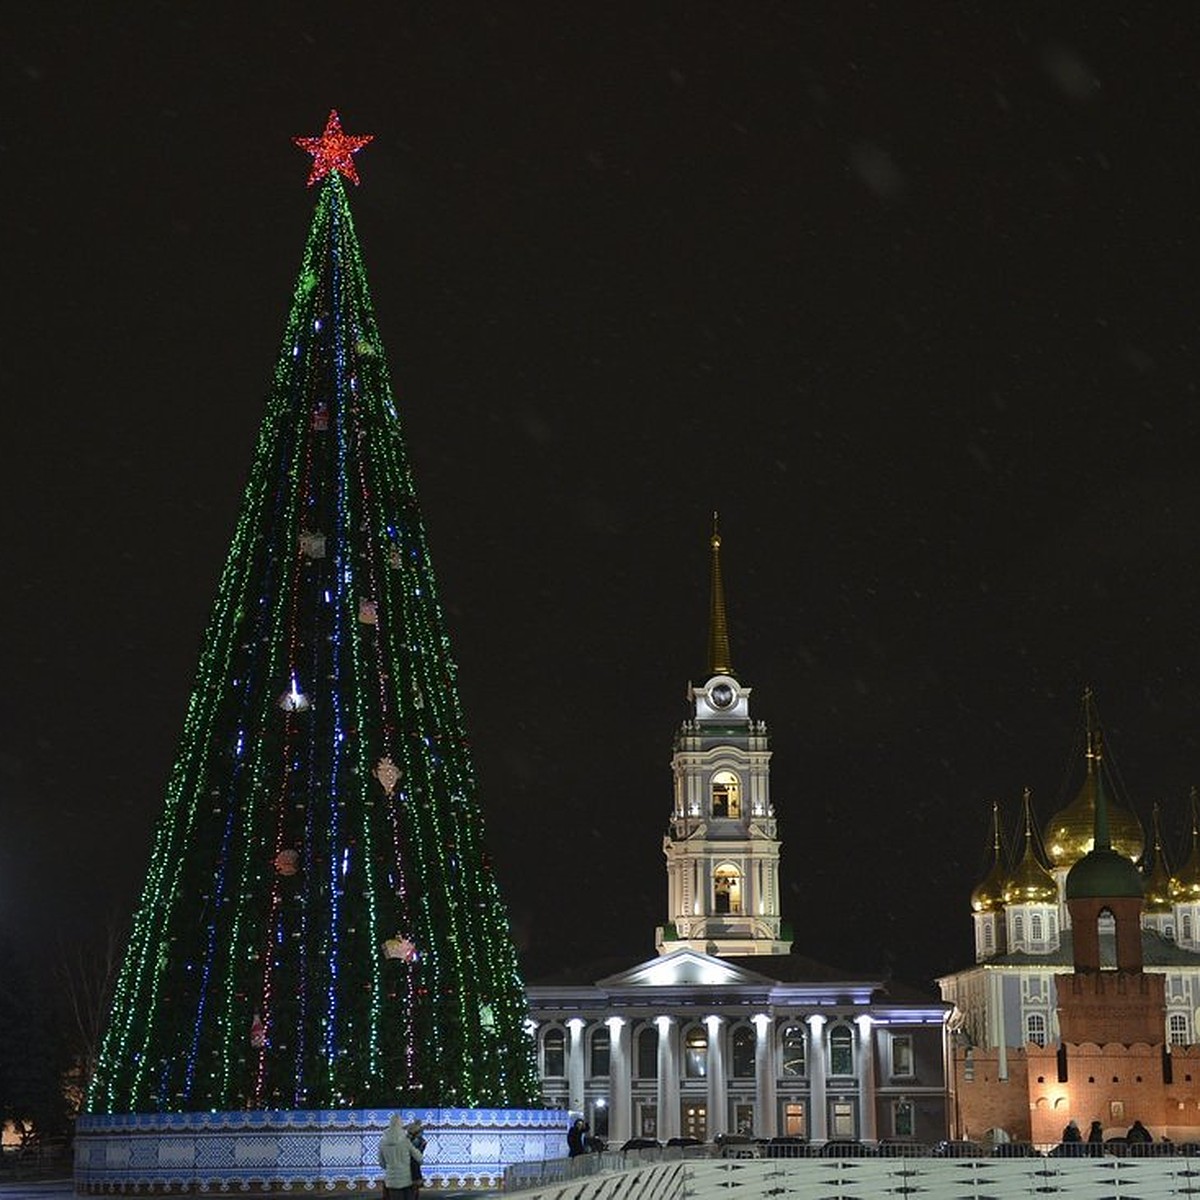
(683, 968)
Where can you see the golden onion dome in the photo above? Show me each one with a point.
(1185, 883)
(989, 895)
(1030, 883)
(1158, 881)
(1069, 834)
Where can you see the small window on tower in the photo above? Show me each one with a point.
(726, 795)
(1177, 1029)
(1035, 927)
(1035, 1029)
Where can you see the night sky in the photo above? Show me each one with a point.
(907, 291)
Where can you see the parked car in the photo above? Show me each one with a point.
(787, 1147)
(900, 1148)
(845, 1148)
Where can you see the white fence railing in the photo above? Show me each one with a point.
(607, 1177)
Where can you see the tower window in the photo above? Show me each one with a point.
(727, 889)
(1035, 1029)
(989, 940)
(1018, 927)
(1035, 927)
(791, 1044)
(1177, 1029)
(726, 795)
(1185, 927)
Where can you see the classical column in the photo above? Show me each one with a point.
(668, 1078)
(817, 1126)
(867, 1124)
(620, 1073)
(766, 1116)
(995, 986)
(718, 1096)
(575, 1065)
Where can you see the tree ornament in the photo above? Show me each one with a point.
(368, 612)
(387, 773)
(395, 558)
(287, 862)
(320, 417)
(332, 150)
(294, 700)
(312, 543)
(401, 947)
(258, 1033)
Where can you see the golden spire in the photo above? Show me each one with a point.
(1185, 883)
(718, 629)
(989, 895)
(1158, 882)
(1030, 883)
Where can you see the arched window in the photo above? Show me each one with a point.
(989, 939)
(726, 795)
(1035, 1029)
(1185, 927)
(1053, 927)
(743, 1043)
(1018, 927)
(647, 1052)
(727, 889)
(841, 1050)
(1177, 1029)
(792, 1043)
(695, 1053)
(554, 1054)
(1035, 927)
(601, 1051)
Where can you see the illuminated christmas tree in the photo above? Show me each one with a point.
(320, 927)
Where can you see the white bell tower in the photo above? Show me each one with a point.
(722, 853)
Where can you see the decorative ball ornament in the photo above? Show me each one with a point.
(387, 773)
(368, 612)
(332, 150)
(400, 947)
(312, 543)
(258, 1033)
(287, 862)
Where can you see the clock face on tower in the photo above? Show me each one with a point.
(721, 696)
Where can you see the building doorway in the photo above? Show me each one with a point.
(694, 1122)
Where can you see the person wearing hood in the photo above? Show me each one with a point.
(397, 1155)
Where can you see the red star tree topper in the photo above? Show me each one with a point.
(332, 150)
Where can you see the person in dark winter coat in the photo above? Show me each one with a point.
(1138, 1135)
(577, 1138)
(1096, 1138)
